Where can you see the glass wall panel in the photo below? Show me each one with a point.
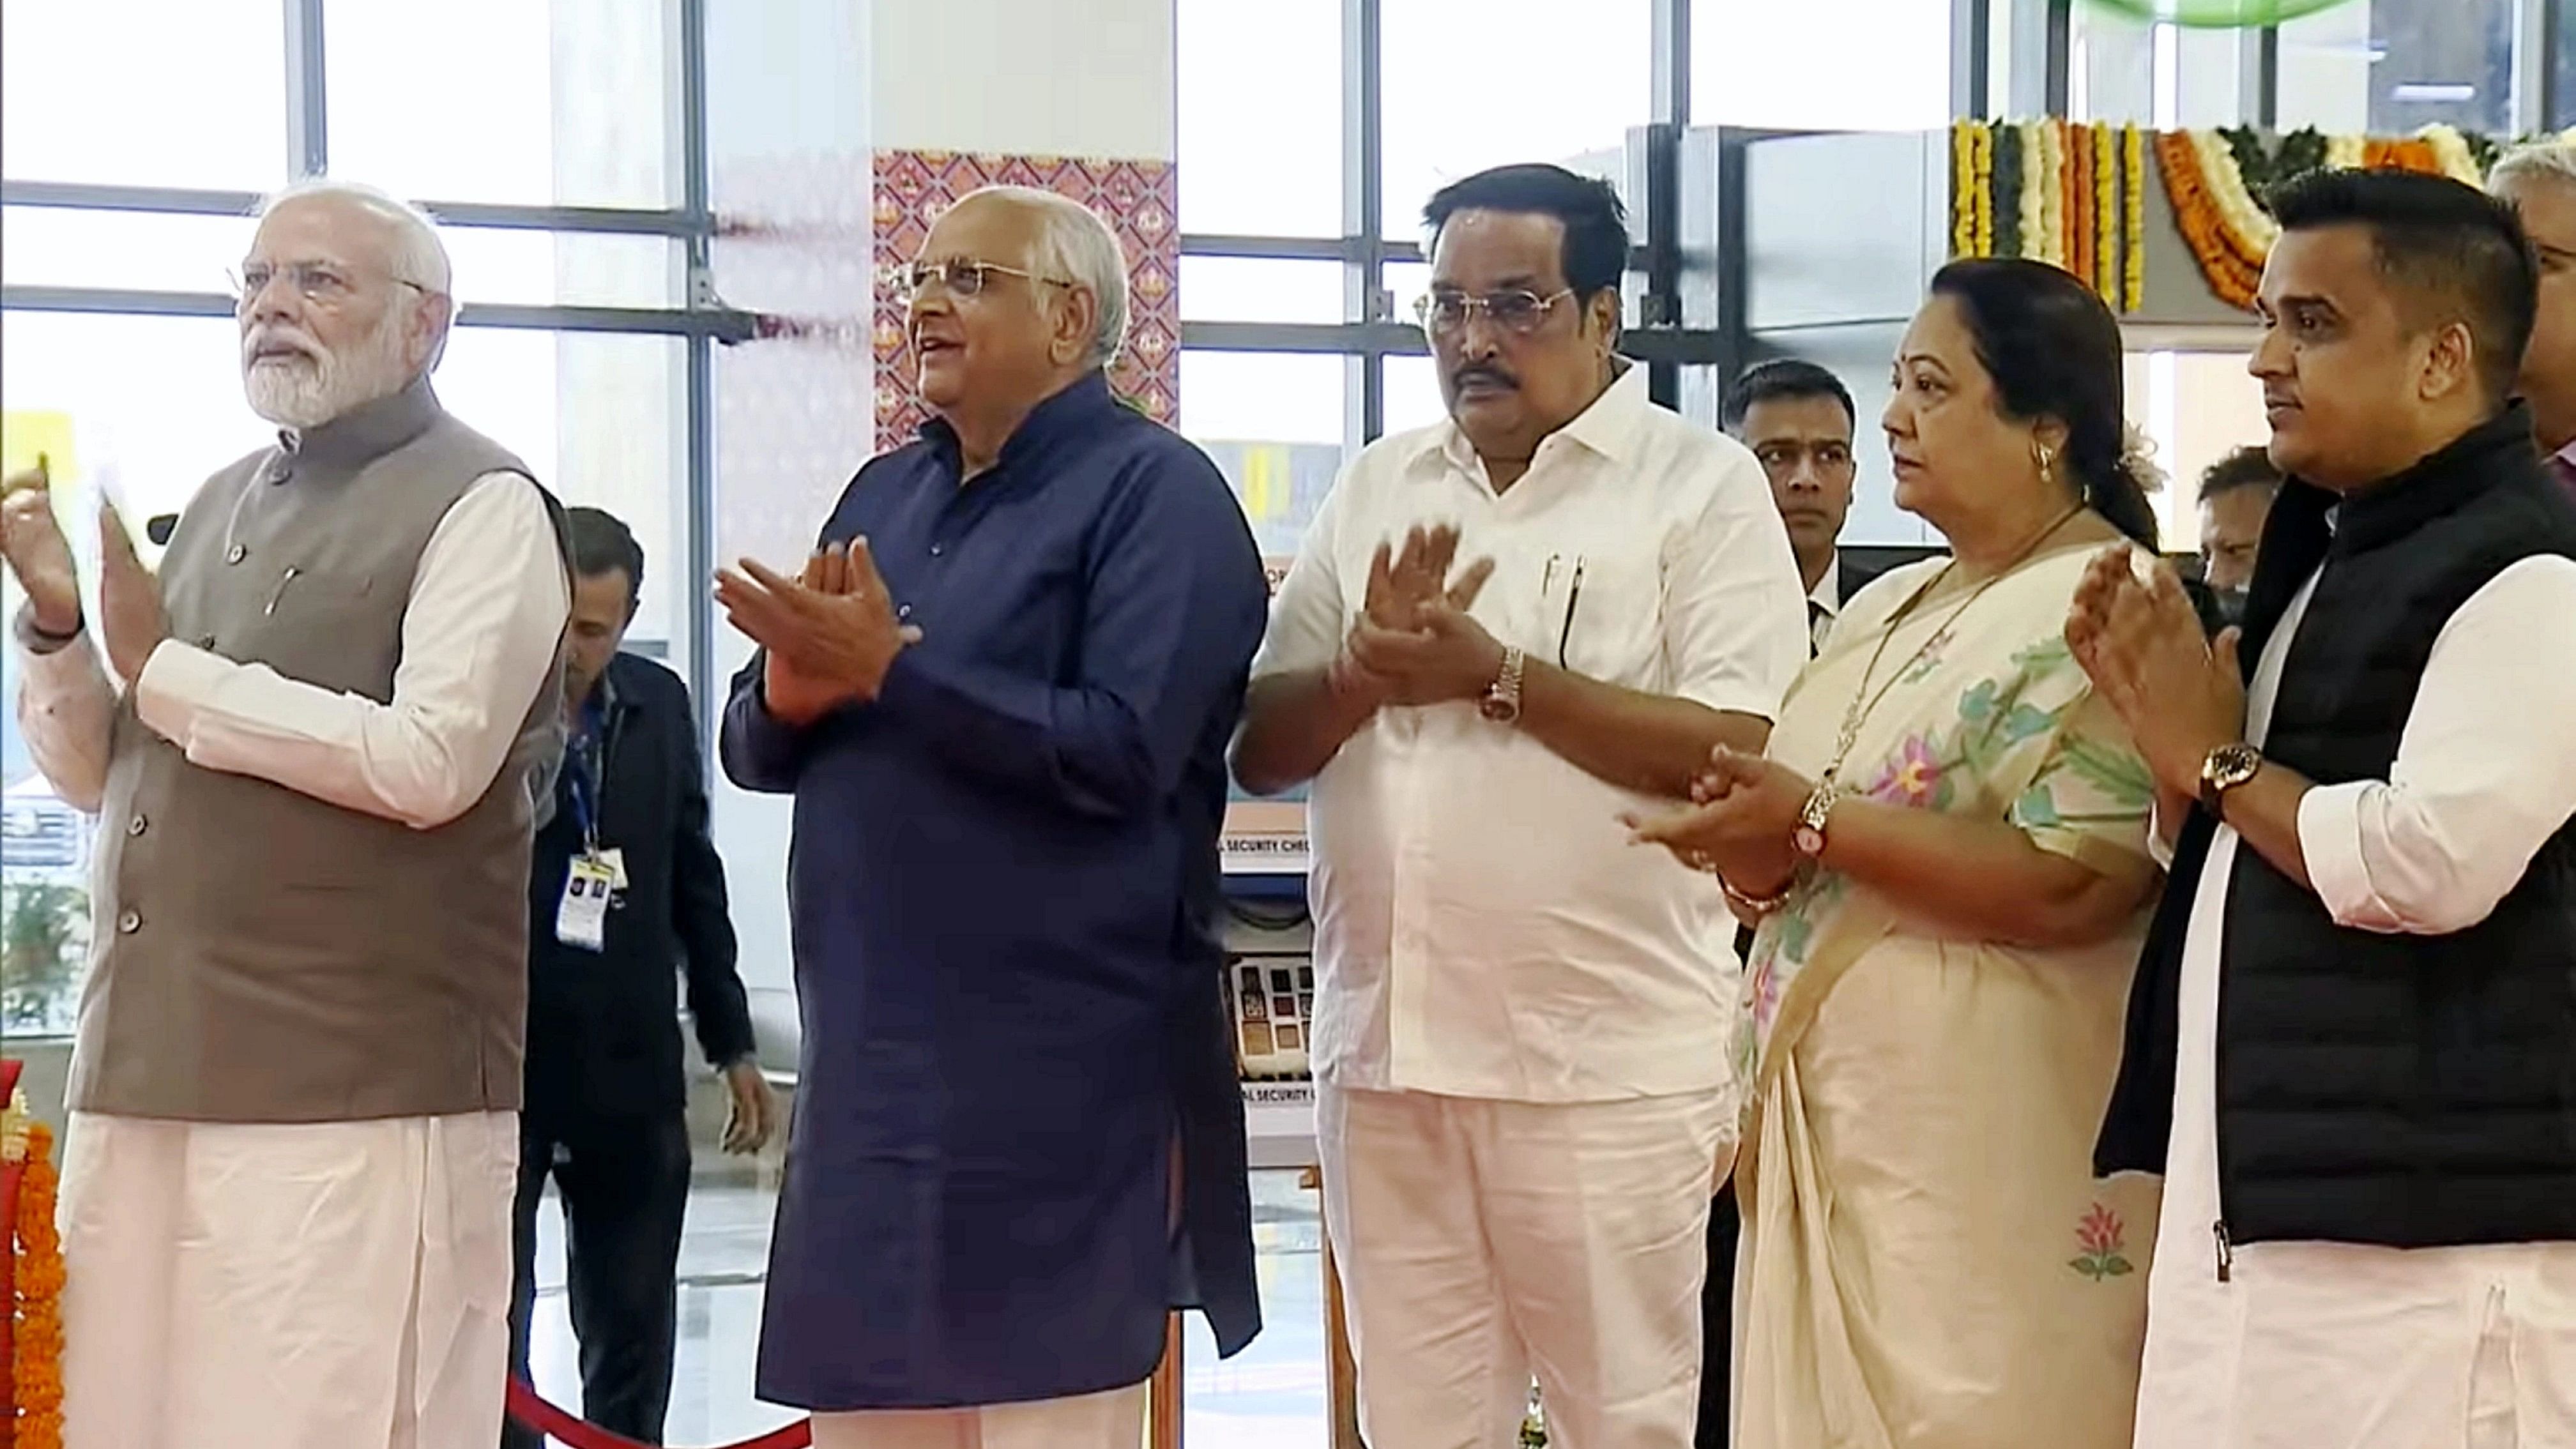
(1259, 96)
(1453, 68)
(539, 102)
(144, 92)
(1849, 65)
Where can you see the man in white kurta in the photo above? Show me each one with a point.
(1524, 1097)
(322, 1284)
(2420, 1327)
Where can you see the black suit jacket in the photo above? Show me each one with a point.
(603, 1026)
(1850, 577)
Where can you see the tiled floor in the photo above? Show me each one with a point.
(1271, 1396)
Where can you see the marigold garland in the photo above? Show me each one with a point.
(2030, 221)
(2248, 229)
(2453, 154)
(2105, 150)
(1962, 189)
(36, 1363)
(2400, 155)
(2079, 201)
(2052, 193)
(2068, 195)
(2074, 195)
(2133, 226)
(2197, 217)
(1984, 157)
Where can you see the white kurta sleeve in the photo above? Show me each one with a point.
(66, 705)
(1307, 612)
(1735, 613)
(2484, 773)
(479, 636)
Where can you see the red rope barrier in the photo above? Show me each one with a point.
(562, 1427)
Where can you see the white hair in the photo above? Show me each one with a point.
(1076, 245)
(419, 257)
(322, 383)
(2541, 160)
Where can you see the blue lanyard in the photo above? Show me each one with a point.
(585, 814)
(579, 752)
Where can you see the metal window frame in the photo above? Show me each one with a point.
(1370, 333)
(2555, 31)
(1368, 336)
(2539, 28)
(700, 320)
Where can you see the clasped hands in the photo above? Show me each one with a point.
(132, 622)
(1414, 642)
(1743, 810)
(2141, 643)
(828, 636)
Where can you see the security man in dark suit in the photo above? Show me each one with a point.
(1798, 419)
(625, 891)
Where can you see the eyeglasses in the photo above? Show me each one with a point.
(319, 283)
(1445, 314)
(961, 276)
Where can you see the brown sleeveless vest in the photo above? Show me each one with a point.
(260, 955)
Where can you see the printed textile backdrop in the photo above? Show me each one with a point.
(1140, 201)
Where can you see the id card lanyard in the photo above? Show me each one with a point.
(581, 920)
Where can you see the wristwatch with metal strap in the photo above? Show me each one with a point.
(1502, 701)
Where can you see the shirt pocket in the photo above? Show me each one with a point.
(1601, 613)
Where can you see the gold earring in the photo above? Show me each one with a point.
(2047, 464)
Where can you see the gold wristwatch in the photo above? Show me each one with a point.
(2227, 767)
(1502, 701)
(1808, 838)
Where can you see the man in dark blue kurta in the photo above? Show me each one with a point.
(1001, 694)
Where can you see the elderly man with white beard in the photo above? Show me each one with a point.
(287, 1183)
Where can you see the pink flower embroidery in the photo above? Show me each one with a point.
(2101, 1236)
(1766, 990)
(1910, 778)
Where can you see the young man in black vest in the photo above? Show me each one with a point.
(2352, 1044)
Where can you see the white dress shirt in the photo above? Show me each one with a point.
(1483, 928)
(2348, 1344)
(480, 630)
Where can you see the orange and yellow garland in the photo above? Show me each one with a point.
(2081, 197)
(36, 1340)
(2230, 259)
(2075, 200)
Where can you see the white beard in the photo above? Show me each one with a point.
(306, 392)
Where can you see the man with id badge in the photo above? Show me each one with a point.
(1500, 634)
(626, 887)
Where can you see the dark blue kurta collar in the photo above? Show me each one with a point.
(1074, 411)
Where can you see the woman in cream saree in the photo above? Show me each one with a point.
(1946, 850)
(1928, 1260)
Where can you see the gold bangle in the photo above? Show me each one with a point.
(1756, 905)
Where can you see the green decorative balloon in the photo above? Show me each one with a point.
(2219, 14)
